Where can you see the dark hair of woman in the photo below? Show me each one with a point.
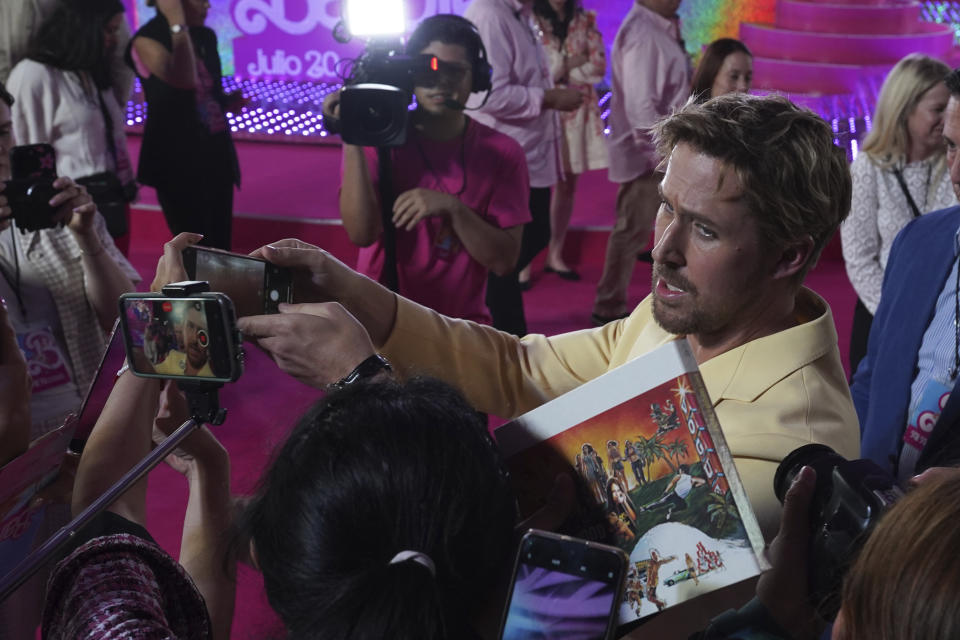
(71, 38)
(904, 584)
(448, 29)
(368, 472)
(560, 27)
(710, 63)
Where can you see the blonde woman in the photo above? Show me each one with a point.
(899, 174)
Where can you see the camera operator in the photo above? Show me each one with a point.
(61, 286)
(462, 187)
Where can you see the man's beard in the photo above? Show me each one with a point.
(690, 322)
(198, 362)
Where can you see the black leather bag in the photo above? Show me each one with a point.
(111, 197)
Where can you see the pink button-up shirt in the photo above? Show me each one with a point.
(651, 78)
(520, 77)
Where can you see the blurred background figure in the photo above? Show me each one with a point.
(521, 104)
(725, 66)
(65, 95)
(899, 175)
(187, 154)
(651, 79)
(577, 60)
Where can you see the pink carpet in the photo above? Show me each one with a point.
(291, 190)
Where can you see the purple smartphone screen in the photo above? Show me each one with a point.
(547, 605)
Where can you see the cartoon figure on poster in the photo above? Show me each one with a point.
(590, 466)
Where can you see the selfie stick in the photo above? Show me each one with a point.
(204, 407)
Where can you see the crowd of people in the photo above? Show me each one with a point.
(387, 510)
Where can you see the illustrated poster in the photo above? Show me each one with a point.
(653, 473)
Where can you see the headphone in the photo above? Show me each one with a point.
(482, 71)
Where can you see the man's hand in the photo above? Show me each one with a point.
(331, 105)
(317, 344)
(783, 589)
(562, 99)
(74, 206)
(416, 204)
(170, 266)
(317, 275)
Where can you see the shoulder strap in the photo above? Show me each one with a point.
(906, 192)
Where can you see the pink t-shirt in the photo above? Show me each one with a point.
(434, 269)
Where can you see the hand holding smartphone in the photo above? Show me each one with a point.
(564, 587)
(255, 286)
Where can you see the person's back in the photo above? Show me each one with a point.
(387, 513)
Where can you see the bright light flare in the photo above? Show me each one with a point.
(371, 18)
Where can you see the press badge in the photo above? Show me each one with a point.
(932, 402)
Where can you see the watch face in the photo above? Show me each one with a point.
(176, 28)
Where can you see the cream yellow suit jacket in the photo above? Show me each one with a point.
(771, 395)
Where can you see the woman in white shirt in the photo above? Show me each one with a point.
(63, 96)
(899, 174)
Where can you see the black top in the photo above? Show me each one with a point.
(185, 135)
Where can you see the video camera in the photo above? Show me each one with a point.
(375, 101)
(28, 192)
(848, 500)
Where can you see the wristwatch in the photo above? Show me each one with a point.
(366, 369)
(177, 28)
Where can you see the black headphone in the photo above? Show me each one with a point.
(482, 71)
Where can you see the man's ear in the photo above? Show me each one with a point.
(793, 257)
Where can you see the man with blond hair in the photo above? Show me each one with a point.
(752, 191)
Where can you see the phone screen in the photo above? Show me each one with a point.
(177, 338)
(255, 286)
(563, 589)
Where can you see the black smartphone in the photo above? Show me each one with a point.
(193, 338)
(564, 587)
(255, 286)
(33, 168)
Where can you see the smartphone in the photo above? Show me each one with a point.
(255, 286)
(33, 168)
(100, 388)
(564, 587)
(193, 338)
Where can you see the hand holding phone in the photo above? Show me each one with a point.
(563, 585)
(33, 169)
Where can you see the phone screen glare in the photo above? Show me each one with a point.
(549, 604)
(240, 278)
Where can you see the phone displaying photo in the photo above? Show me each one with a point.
(564, 587)
(191, 338)
(255, 286)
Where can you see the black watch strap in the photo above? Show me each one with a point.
(366, 369)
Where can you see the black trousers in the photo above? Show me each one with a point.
(504, 298)
(859, 334)
(200, 206)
